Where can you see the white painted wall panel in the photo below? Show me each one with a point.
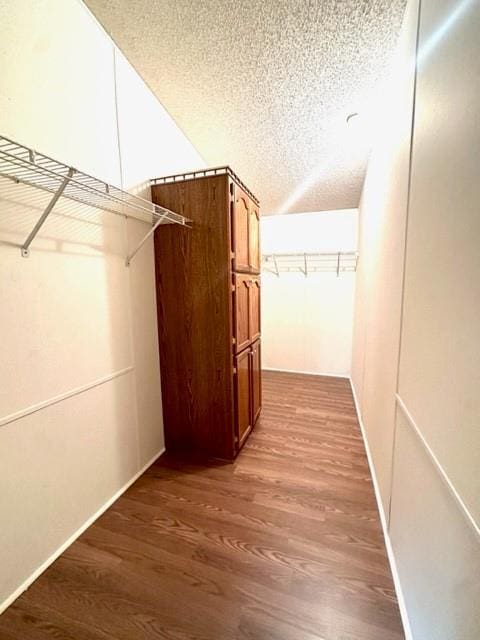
(58, 467)
(56, 84)
(307, 322)
(73, 313)
(151, 145)
(435, 464)
(383, 218)
(437, 552)
(359, 310)
(439, 369)
(63, 316)
(143, 318)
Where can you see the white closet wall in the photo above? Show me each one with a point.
(80, 405)
(307, 321)
(416, 348)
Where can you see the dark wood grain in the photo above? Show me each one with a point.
(254, 238)
(254, 308)
(283, 544)
(243, 395)
(256, 393)
(240, 230)
(202, 323)
(241, 307)
(194, 300)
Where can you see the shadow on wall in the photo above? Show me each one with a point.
(70, 228)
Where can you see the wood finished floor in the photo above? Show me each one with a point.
(285, 544)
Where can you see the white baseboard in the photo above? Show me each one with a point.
(307, 373)
(391, 556)
(24, 586)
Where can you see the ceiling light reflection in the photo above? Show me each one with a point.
(436, 36)
(360, 129)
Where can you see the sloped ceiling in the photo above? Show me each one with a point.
(266, 85)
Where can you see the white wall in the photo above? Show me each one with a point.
(383, 218)
(441, 311)
(416, 354)
(307, 321)
(74, 320)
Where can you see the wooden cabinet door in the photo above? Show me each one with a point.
(254, 238)
(256, 381)
(254, 308)
(240, 224)
(243, 407)
(241, 311)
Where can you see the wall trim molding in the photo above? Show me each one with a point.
(438, 466)
(308, 373)
(63, 396)
(388, 544)
(51, 559)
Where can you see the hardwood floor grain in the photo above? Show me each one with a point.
(283, 544)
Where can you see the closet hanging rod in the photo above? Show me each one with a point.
(24, 165)
(310, 262)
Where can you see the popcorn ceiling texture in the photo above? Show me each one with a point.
(265, 85)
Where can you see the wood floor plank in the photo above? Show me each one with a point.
(283, 544)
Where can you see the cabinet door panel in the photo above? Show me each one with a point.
(256, 376)
(241, 219)
(254, 239)
(243, 408)
(241, 310)
(254, 308)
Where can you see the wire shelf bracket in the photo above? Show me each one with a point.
(307, 263)
(26, 245)
(26, 166)
(142, 242)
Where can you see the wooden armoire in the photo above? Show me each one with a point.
(208, 300)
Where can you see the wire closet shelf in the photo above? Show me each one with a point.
(26, 166)
(320, 262)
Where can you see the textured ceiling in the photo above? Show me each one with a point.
(265, 85)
